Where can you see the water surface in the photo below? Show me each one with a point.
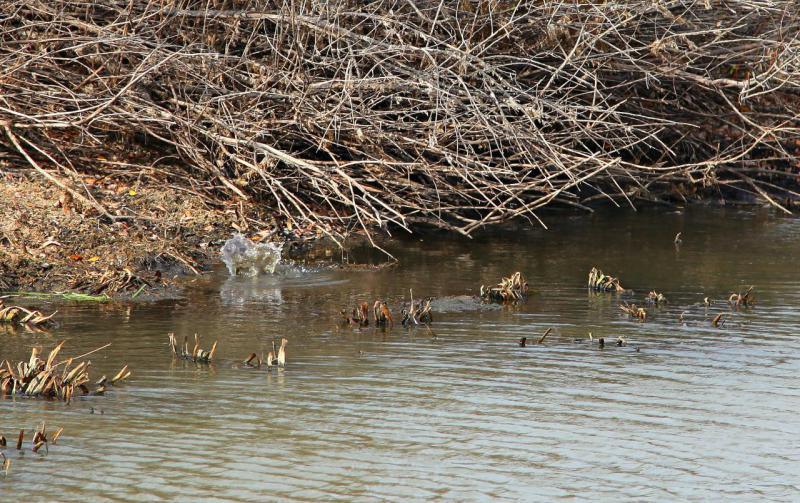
(457, 412)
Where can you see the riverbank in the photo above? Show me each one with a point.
(49, 242)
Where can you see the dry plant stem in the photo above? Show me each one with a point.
(345, 114)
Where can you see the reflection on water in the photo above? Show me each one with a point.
(458, 412)
(238, 291)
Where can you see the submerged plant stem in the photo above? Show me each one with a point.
(71, 296)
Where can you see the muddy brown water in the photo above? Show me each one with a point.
(458, 412)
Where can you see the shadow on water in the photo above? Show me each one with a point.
(460, 411)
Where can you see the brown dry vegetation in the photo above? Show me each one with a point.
(48, 242)
(324, 117)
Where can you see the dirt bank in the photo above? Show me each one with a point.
(50, 242)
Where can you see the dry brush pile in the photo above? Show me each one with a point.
(347, 114)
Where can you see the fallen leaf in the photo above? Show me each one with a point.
(94, 259)
(76, 257)
(131, 192)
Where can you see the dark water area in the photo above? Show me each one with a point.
(457, 411)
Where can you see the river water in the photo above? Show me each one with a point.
(456, 412)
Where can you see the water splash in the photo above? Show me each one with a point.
(244, 257)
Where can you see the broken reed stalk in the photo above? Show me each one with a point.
(544, 336)
(271, 360)
(655, 298)
(383, 317)
(197, 354)
(602, 283)
(359, 316)
(123, 374)
(511, 289)
(42, 378)
(281, 360)
(249, 361)
(742, 298)
(634, 311)
(455, 114)
(39, 438)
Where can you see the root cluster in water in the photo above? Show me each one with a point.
(40, 439)
(44, 378)
(655, 298)
(602, 283)
(23, 316)
(742, 298)
(197, 354)
(511, 289)
(359, 316)
(417, 312)
(253, 361)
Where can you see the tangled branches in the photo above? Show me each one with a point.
(347, 114)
